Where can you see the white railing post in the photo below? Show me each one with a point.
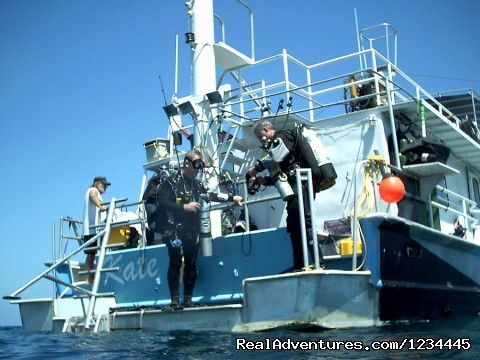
(101, 258)
(301, 210)
(302, 175)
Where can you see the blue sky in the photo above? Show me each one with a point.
(80, 92)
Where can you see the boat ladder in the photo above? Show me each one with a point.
(93, 295)
(89, 319)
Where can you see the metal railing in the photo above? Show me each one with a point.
(311, 96)
(303, 175)
(104, 234)
(468, 210)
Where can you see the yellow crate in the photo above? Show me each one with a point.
(346, 246)
(119, 235)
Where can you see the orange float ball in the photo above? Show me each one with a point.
(392, 189)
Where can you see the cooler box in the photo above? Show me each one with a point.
(119, 235)
(346, 246)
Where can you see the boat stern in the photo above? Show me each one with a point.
(325, 299)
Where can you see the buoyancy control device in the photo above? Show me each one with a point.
(315, 154)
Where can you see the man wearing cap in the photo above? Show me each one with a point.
(91, 217)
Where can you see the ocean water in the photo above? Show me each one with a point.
(459, 339)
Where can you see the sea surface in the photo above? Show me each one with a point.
(446, 339)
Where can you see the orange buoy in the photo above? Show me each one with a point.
(392, 189)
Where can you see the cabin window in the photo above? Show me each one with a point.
(476, 191)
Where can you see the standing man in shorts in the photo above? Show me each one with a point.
(91, 217)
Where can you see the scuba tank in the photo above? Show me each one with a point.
(326, 174)
(205, 231)
(280, 180)
(281, 183)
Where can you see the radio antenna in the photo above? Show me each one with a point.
(163, 90)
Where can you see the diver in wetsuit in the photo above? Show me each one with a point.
(178, 211)
(285, 154)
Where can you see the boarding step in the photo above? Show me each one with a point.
(202, 318)
(97, 323)
(76, 324)
(98, 295)
(61, 324)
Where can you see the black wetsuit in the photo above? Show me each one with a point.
(173, 222)
(286, 153)
(150, 199)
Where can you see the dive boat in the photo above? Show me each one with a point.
(399, 230)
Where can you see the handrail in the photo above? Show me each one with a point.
(100, 260)
(252, 35)
(93, 294)
(310, 92)
(53, 267)
(470, 220)
(302, 175)
(73, 223)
